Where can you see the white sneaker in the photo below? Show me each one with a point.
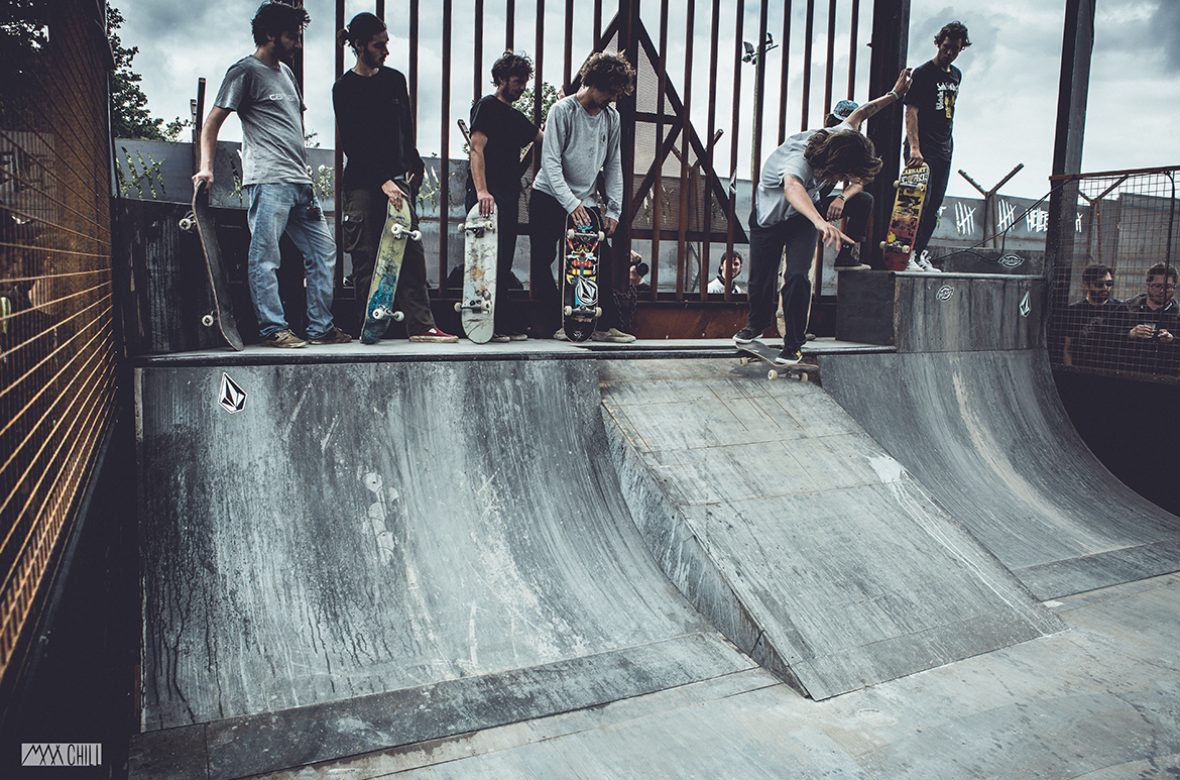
(925, 265)
(613, 335)
(913, 267)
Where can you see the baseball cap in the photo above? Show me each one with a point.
(844, 109)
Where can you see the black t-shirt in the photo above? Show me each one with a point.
(376, 128)
(508, 132)
(934, 93)
(1088, 326)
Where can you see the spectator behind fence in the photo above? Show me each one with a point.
(727, 274)
(1086, 337)
(1148, 323)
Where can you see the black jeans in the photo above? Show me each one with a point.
(798, 236)
(364, 220)
(547, 231)
(940, 176)
(509, 316)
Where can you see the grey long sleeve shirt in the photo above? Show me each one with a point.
(577, 146)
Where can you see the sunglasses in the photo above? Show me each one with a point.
(1158, 286)
(1101, 284)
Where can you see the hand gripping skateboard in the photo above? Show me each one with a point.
(907, 211)
(756, 350)
(579, 278)
(201, 221)
(477, 305)
(390, 252)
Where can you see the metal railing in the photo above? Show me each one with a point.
(57, 346)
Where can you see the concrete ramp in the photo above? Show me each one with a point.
(370, 555)
(985, 432)
(809, 546)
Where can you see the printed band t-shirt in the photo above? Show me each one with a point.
(270, 108)
(934, 93)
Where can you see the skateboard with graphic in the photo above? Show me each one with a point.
(579, 277)
(391, 251)
(756, 350)
(907, 211)
(200, 221)
(477, 306)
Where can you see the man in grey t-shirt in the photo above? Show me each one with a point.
(581, 140)
(262, 90)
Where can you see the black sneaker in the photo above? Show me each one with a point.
(746, 335)
(848, 259)
(789, 357)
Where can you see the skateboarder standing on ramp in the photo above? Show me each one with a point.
(261, 88)
(498, 133)
(929, 122)
(581, 141)
(795, 180)
(377, 135)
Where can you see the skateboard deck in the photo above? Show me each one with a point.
(200, 220)
(907, 211)
(477, 306)
(756, 350)
(579, 278)
(390, 253)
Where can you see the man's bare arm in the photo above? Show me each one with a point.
(479, 143)
(861, 114)
(911, 135)
(796, 194)
(209, 131)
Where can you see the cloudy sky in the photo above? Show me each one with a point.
(1006, 111)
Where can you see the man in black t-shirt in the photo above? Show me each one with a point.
(498, 133)
(373, 115)
(929, 121)
(1086, 331)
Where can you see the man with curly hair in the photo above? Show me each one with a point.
(929, 124)
(498, 133)
(790, 201)
(581, 141)
(261, 88)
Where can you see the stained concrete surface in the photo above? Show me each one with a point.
(1099, 701)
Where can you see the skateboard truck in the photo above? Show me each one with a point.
(479, 304)
(399, 231)
(385, 313)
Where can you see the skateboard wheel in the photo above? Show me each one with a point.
(416, 235)
(895, 185)
(462, 226)
(772, 374)
(597, 312)
(743, 361)
(186, 224)
(398, 316)
(601, 236)
(570, 233)
(459, 306)
(568, 310)
(485, 305)
(208, 320)
(905, 247)
(882, 244)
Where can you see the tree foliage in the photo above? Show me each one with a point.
(130, 117)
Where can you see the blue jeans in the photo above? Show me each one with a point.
(291, 208)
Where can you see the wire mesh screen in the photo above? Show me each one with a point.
(56, 342)
(1115, 308)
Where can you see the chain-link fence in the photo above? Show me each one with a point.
(1114, 302)
(57, 359)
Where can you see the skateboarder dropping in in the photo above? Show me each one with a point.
(792, 204)
(377, 135)
(581, 141)
(498, 133)
(279, 197)
(929, 123)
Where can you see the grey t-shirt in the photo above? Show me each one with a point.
(271, 111)
(770, 204)
(576, 147)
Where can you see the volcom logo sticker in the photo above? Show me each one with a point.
(1026, 304)
(231, 396)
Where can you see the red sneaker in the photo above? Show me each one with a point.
(435, 336)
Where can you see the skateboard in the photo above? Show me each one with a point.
(579, 278)
(477, 305)
(199, 220)
(390, 252)
(756, 350)
(907, 211)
